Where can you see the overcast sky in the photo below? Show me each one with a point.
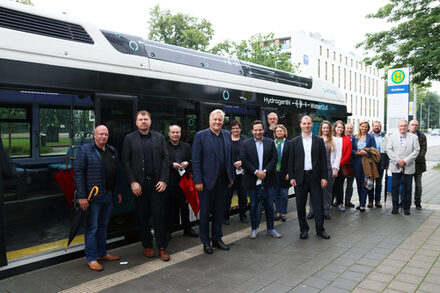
(340, 20)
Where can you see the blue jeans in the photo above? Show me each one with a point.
(399, 179)
(281, 196)
(95, 233)
(258, 195)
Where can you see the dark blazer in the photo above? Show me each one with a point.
(133, 157)
(370, 142)
(285, 164)
(296, 159)
(89, 171)
(204, 160)
(174, 178)
(249, 160)
(420, 160)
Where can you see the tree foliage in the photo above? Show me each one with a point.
(259, 49)
(412, 42)
(179, 29)
(26, 2)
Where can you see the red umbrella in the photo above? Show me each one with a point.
(67, 184)
(189, 190)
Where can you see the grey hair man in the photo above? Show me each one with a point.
(272, 120)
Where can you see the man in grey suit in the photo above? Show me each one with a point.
(402, 149)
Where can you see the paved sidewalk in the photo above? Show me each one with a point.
(370, 252)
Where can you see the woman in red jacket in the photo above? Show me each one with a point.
(343, 142)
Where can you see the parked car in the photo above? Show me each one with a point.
(435, 132)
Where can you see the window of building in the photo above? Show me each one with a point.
(360, 83)
(365, 84)
(351, 103)
(351, 62)
(346, 60)
(361, 105)
(377, 88)
(326, 71)
(340, 58)
(334, 56)
(345, 78)
(355, 81)
(319, 68)
(350, 80)
(333, 73)
(369, 85)
(357, 63)
(320, 50)
(328, 53)
(339, 76)
(15, 129)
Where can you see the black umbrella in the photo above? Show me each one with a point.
(79, 217)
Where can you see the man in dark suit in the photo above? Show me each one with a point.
(146, 165)
(259, 158)
(272, 120)
(308, 173)
(180, 165)
(213, 172)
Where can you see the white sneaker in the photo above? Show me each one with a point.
(341, 208)
(254, 234)
(274, 233)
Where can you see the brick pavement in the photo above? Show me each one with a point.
(369, 252)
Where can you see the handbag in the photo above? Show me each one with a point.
(347, 170)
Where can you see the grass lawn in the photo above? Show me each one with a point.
(21, 146)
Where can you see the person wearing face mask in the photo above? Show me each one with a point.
(237, 141)
(359, 142)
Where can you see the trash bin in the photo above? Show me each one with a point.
(43, 139)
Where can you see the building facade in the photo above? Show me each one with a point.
(363, 86)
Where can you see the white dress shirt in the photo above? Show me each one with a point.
(307, 143)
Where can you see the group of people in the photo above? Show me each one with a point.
(263, 167)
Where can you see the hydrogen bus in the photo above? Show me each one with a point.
(60, 77)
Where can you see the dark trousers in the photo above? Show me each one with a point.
(374, 194)
(212, 202)
(405, 181)
(310, 184)
(418, 191)
(151, 204)
(242, 197)
(259, 195)
(338, 189)
(176, 205)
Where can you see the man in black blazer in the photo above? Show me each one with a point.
(308, 173)
(146, 165)
(213, 172)
(180, 165)
(259, 158)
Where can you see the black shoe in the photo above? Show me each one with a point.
(304, 235)
(323, 234)
(276, 218)
(283, 218)
(191, 233)
(406, 212)
(226, 222)
(327, 216)
(207, 248)
(310, 216)
(395, 212)
(349, 205)
(244, 219)
(220, 245)
(418, 206)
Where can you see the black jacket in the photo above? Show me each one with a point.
(296, 159)
(133, 157)
(249, 160)
(174, 179)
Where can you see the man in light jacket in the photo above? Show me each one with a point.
(402, 150)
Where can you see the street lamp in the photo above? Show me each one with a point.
(428, 116)
(277, 61)
(421, 117)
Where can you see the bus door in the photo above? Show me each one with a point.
(117, 113)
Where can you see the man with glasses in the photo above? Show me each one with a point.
(97, 164)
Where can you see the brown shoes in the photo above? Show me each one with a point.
(164, 254)
(109, 257)
(149, 252)
(378, 205)
(95, 266)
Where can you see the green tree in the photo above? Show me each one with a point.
(179, 29)
(412, 42)
(26, 2)
(259, 49)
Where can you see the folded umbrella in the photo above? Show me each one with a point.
(67, 184)
(79, 217)
(189, 191)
